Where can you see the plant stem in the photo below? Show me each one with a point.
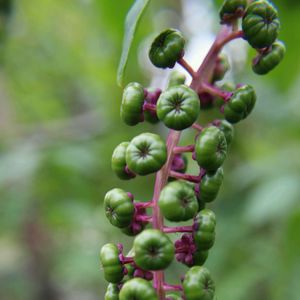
(171, 287)
(187, 67)
(176, 229)
(197, 127)
(189, 148)
(157, 218)
(188, 177)
(215, 91)
(149, 107)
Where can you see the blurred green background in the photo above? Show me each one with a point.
(59, 123)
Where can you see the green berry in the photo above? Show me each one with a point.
(240, 104)
(232, 9)
(200, 257)
(132, 104)
(261, 24)
(112, 267)
(153, 250)
(176, 78)
(118, 162)
(146, 154)
(167, 49)
(204, 234)
(221, 68)
(138, 289)
(178, 107)
(112, 292)
(210, 185)
(227, 129)
(198, 284)
(211, 148)
(173, 297)
(266, 62)
(178, 202)
(119, 208)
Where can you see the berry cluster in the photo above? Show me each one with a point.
(179, 196)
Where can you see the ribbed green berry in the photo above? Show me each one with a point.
(146, 153)
(138, 289)
(119, 208)
(132, 104)
(227, 129)
(178, 107)
(176, 78)
(118, 162)
(198, 284)
(178, 202)
(153, 250)
(112, 292)
(261, 24)
(240, 104)
(204, 234)
(232, 9)
(112, 267)
(167, 49)
(210, 185)
(211, 148)
(266, 62)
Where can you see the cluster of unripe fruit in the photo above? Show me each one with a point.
(184, 196)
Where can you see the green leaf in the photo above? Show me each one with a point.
(132, 20)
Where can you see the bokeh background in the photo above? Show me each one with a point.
(59, 123)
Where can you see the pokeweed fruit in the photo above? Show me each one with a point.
(240, 104)
(179, 196)
(261, 24)
(139, 289)
(132, 104)
(211, 148)
(178, 201)
(178, 107)
(111, 264)
(153, 250)
(232, 9)
(270, 59)
(167, 49)
(146, 153)
(198, 284)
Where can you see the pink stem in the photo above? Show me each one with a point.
(197, 127)
(127, 260)
(189, 148)
(178, 229)
(187, 67)
(143, 204)
(160, 181)
(143, 218)
(188, 177)
(171, 287)
(215, 91)
(149, 107)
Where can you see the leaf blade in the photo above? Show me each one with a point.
(131, 23)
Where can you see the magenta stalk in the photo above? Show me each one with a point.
(215, 91)
(172, 287)
(197, 127)
(187, 67)
(179, 149)
(143, 218)
(143, 204)
(149, 107)
(187, 177)
(176, 229)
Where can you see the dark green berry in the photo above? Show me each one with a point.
(132, 104)
(167, 49)
(261, 24)
(240, 104)
(153, 250)
(138, 289)
(178, 107)
(118, 162)
(266, 62)
(146, 153)
(119, 208)
(112, 267)
(210, 185)
(178, 202)
(204, 233)
(112, 292)
(211, 148)
(232, 9)
(198, 284)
